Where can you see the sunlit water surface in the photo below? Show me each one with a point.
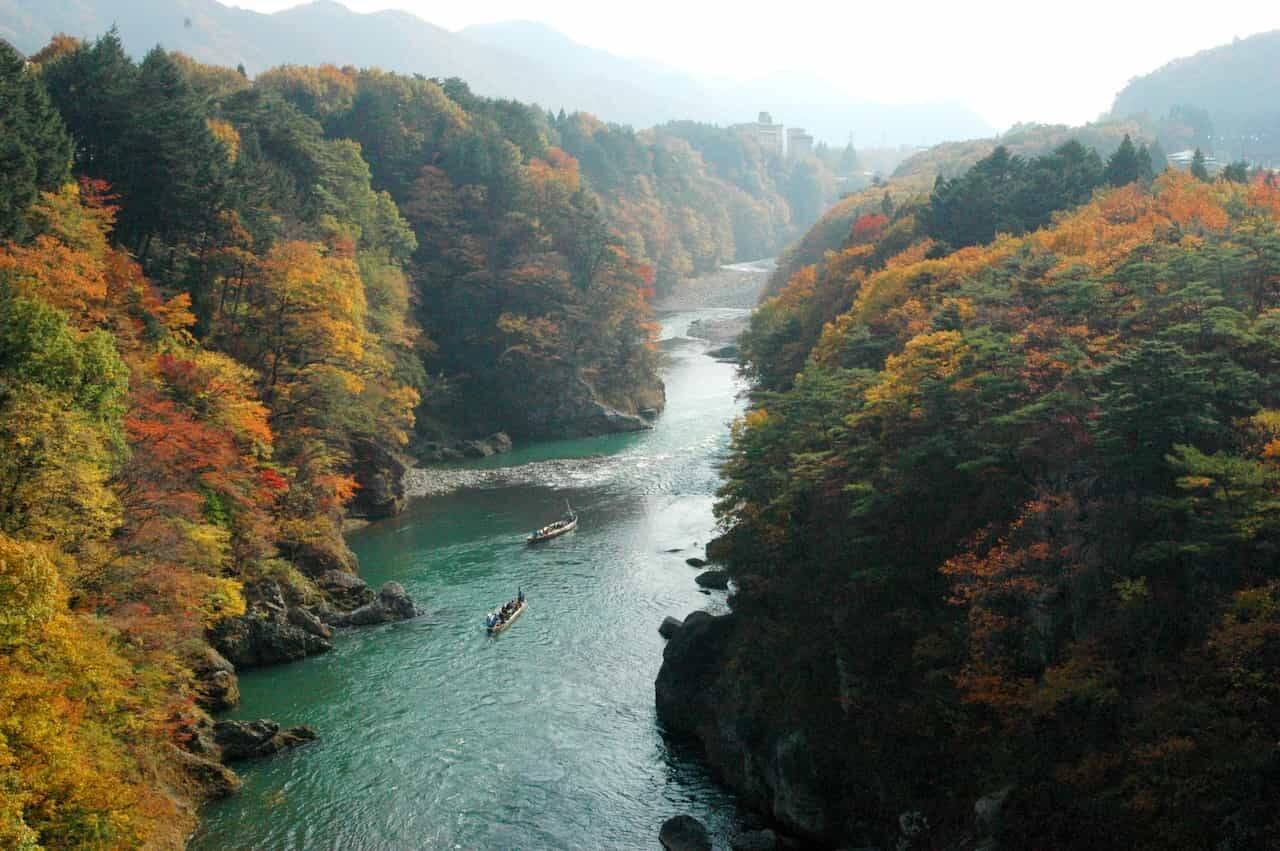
(435, 735)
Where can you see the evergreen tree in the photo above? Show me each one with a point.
(1198, 168)
(1146, 170)
(92, 87)
(1124, 166)
(175, 168)
(1237, 172)
(35, 151)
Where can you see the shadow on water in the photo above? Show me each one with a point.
(436, 735)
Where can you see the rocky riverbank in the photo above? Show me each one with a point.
(738, 286)
(285, 620)
(768, 763)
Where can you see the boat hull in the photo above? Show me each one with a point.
(555, 533)
(494, 630)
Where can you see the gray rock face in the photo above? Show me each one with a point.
(215, 681)
(718, 579)
(690, 663)
(771, 765)
(380, 475)
(551, 399)
(684, 833)
(391, 604)
(261, 637)
(495, 444)
(670, 626)
(798, 793)
(346, 590)
(240, 740)
(307, 621)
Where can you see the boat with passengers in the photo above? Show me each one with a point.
(563, 526)
(502, 617)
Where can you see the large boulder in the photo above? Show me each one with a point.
(776, 765)
(393, 603)
(690, 665)
(718, 579)
(694, 561)
(344, 589)
(380, 475)
(264, 636)
(684, 833)
(305, 620)
(669, 626)
(240, 740)
(216, 687)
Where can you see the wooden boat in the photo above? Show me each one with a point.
(501, 625)
(554, 530)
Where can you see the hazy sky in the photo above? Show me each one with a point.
(1011, 61)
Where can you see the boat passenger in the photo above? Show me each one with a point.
(520, 596)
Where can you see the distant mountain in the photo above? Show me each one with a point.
(522, 60)
(794, 99)
(1236, 87)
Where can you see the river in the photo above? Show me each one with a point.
(435, 735)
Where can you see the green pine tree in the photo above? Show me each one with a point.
(35, 150)
(1198, 168)
(176, 168)
(1124, 166)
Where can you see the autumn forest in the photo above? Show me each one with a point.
(1002, 517)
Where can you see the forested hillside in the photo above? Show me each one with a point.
(1223, 99)
(1003, 521)
(226, 306)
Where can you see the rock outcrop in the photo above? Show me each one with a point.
(265, 635)
(392, 604)
(695, 562)
(211, 777)
(345, 590)
(768, 761)
(241, 740)
(684, 833)
(551, 399)
(717, 579)
(436, 451)
(670, 626)
(216, 687)
(687, 679)
(380, 475)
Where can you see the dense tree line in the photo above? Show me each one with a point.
(215, 295)
(1006, 520)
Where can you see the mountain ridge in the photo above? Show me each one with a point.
(507, 59)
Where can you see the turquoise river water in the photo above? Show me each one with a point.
(435, 735)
